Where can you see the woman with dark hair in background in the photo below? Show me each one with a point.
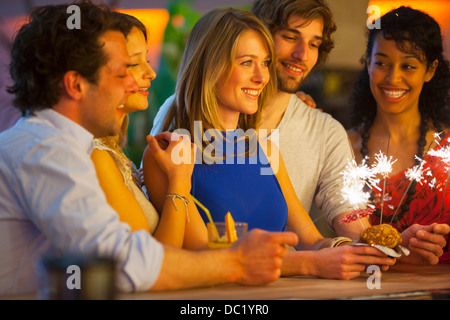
(400, 106)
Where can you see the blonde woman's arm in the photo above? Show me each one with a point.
(299, 220)
(162, 177)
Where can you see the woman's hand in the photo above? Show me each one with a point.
(425, 243)
(168, 163)
(174, 154)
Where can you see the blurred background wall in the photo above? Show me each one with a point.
(169, 23)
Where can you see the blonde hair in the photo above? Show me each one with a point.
(209, 55)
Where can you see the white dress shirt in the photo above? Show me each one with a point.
(51, 203)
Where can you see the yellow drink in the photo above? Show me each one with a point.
(222, 243)
(219, 245)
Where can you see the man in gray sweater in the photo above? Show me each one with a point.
(313, 145)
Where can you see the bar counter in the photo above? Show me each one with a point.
(402, 281)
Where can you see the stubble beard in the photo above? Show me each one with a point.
(105, 128)
(289, 84)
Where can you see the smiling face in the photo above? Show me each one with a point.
(139, 69)
(101, 107)
(297, 49)
(239, 93)
(396, 77)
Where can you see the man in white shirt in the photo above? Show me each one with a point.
(70, 85)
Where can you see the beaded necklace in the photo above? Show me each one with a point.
(412, 190)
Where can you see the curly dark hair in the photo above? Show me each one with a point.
(417, 33)
(275, 14)
(45, 48)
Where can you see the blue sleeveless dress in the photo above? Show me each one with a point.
(240, 183)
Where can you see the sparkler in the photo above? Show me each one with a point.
(355, 195)
(355, 178)
(355, 174)
(383, 166)
(443, 196)
(444, 154)
(413, 174)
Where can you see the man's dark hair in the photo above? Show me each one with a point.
(276, 14)
(45, 49)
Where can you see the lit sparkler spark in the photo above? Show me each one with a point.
(359, 174)
(432, 183)
(355, 195)
(416, 172)
(444, 154)
(437, 136)
(383, 165)
(413, 174)
(355, 178)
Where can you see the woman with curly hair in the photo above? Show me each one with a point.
(401, 107)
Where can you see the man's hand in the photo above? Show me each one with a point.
(347, 262)
(261, 254)
(307, 99)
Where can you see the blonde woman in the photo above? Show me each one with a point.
(227, 76)
(117, 174)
